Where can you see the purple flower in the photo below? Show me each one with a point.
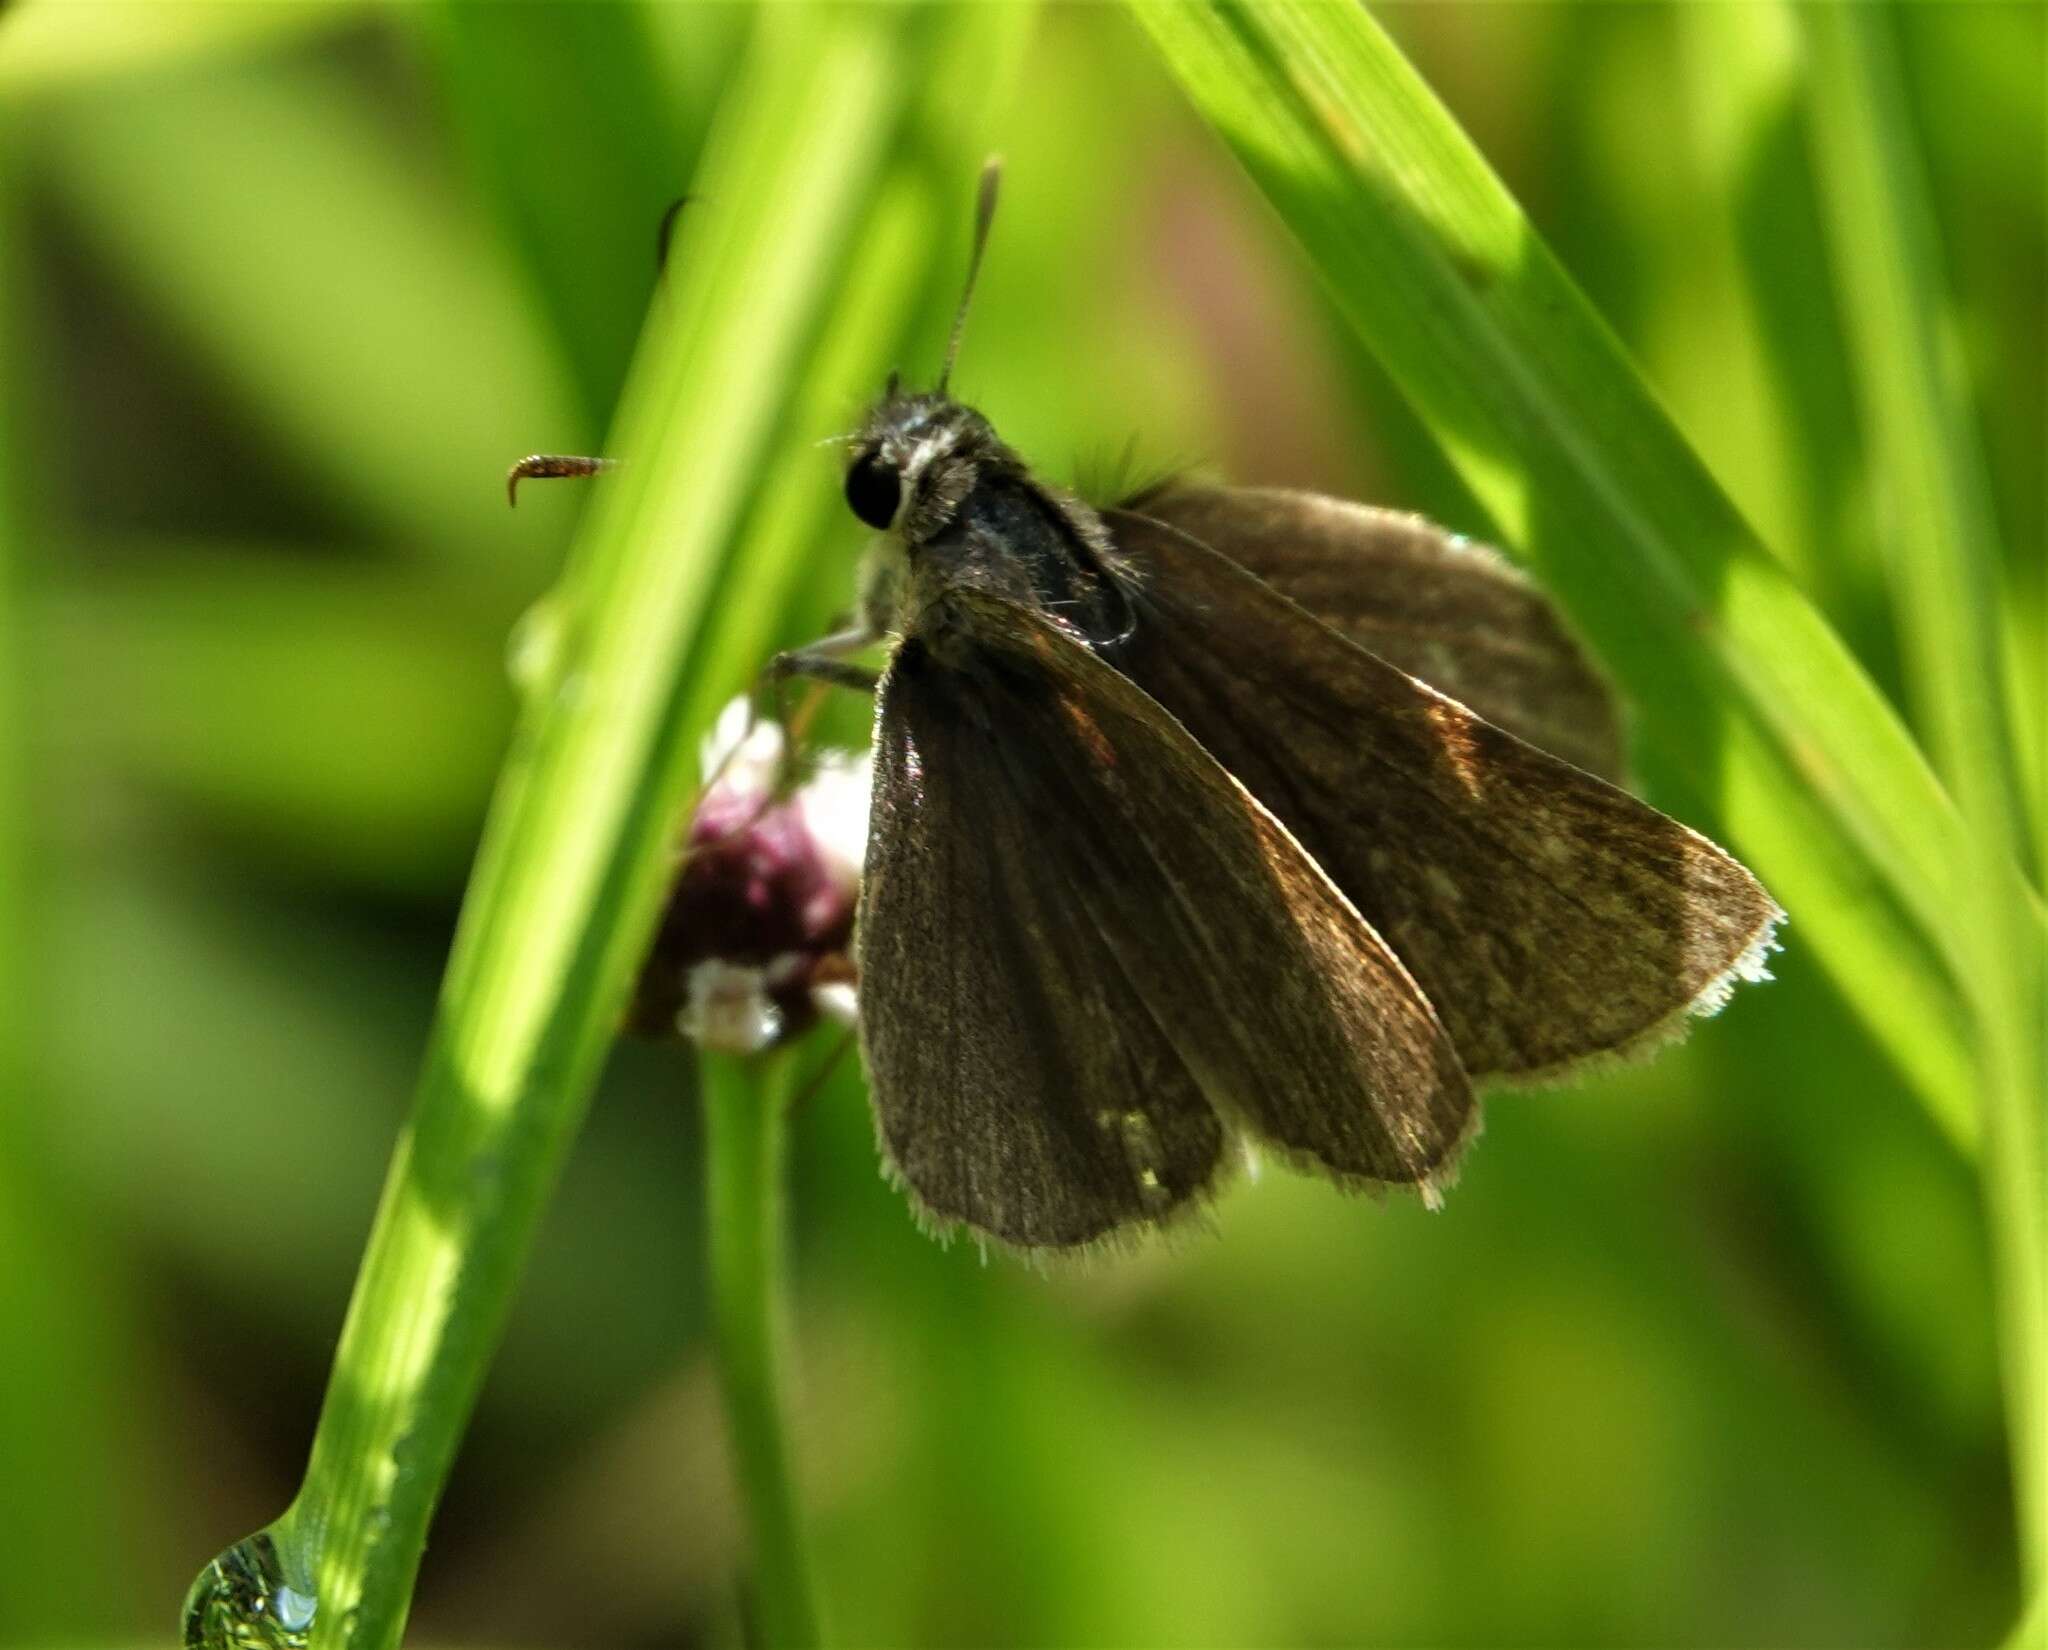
(753, 943)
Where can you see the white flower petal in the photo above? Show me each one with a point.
(837, 1001)
(741, 755)
(833, 804)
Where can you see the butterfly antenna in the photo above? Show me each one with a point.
(984, 215)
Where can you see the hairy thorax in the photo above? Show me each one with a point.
(1009, 537)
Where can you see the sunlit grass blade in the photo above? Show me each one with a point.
(871, 314)
(1936, 524)
(895, 298)
(1743, 80)
(576, 851)
(13, 538)
(2031, 1632)
(1744, 75)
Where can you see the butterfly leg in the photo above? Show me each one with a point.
(822, 661)
(548, 466)
(818, 662)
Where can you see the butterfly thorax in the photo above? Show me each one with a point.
(970, 515)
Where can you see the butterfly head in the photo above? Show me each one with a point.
(917, 457)
(916, 460)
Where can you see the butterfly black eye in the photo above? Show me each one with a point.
(874, 490)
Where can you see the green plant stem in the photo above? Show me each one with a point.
(745, 1103)
(1942, 558)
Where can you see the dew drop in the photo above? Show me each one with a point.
(248, 1599)
(538, 641)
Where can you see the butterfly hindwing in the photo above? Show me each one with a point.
(1549, 917)
(1454, 613)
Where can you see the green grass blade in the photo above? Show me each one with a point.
(1935, 508)
(872, 311)
(39, 1403)
(1740, 687)
(1940, 541)
(565, 887)
(2032, 1631)
(1723, 658)
(576, 853)
(1743, 80)
(561, 113)
(1744, 76)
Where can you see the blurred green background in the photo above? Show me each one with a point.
(1700, 1353)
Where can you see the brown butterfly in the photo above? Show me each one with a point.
(1228, 814)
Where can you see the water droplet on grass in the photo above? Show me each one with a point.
(538, 645)
(247, 1599)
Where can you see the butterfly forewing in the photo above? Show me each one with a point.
(1054, 864)
(1549, 917)
(1451, 612)
(1019, 1085)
